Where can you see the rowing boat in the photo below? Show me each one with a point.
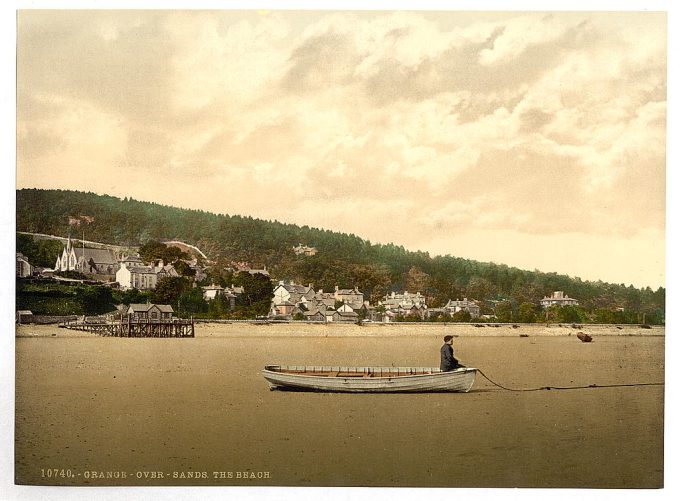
(368, 379)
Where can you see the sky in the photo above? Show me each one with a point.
(536, 140)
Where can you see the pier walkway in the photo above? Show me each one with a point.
(176, 327)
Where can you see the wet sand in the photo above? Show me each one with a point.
(173, 406)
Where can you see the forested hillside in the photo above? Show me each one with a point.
(344, 260)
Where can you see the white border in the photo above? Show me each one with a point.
(7, 223)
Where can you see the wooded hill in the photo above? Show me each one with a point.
(342, 259)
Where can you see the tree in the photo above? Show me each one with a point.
(184, 269)
(131, 296)
(503, 311)
(417, 280)
(257, 295)
(461, 316)
(152, 250)
(169, 289)
(440, 317)
(527, 313)
(192, 301)
(95, 299)
(219, 307)
(480, 288)
(571, 314)
(341, 258)
(39, 252)
(605, 316)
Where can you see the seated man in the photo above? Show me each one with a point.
(448, 361)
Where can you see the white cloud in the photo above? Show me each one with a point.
(80, 138)
(381, 114)
(522, 32)
(228, 65)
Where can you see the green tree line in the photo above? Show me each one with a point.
(342, 259)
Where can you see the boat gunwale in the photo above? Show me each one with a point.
(373, 376)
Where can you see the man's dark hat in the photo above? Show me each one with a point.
(447, 338)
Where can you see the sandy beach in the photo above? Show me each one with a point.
(198, 412)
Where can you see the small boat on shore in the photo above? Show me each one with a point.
(368, 379)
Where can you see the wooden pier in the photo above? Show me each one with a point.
(136, 328)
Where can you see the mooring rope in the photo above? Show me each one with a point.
(566, 387)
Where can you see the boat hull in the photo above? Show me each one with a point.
(369, 379)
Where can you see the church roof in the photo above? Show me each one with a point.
(99, 256)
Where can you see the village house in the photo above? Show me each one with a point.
(304, 300)
(212, 291)
(352, 297)
(143, 277)
(304, 250)
(85, 260)
(199, 271)
(324, 300)
(453, 307)
(292, 293)
(24, 268)
(136, 277)
(414, 310)
(404, 299)
(435, 313)
(558, 298)
(373, 313)
(291, 299)
(344, 316)
(24, 317)
(151, 312)
(240, 266)
(315, 315)
(130, 260)
(284, 309)
(165, 270)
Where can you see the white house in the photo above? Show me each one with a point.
(211, 291)
(136, 277)
(292, 293)
(558, 298)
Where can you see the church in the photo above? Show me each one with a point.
(87, 261)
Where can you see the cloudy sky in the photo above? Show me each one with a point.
(531, 139)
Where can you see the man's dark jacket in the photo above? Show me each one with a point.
(448, 362)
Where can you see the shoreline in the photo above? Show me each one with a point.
(312, 330)
(201, 405)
